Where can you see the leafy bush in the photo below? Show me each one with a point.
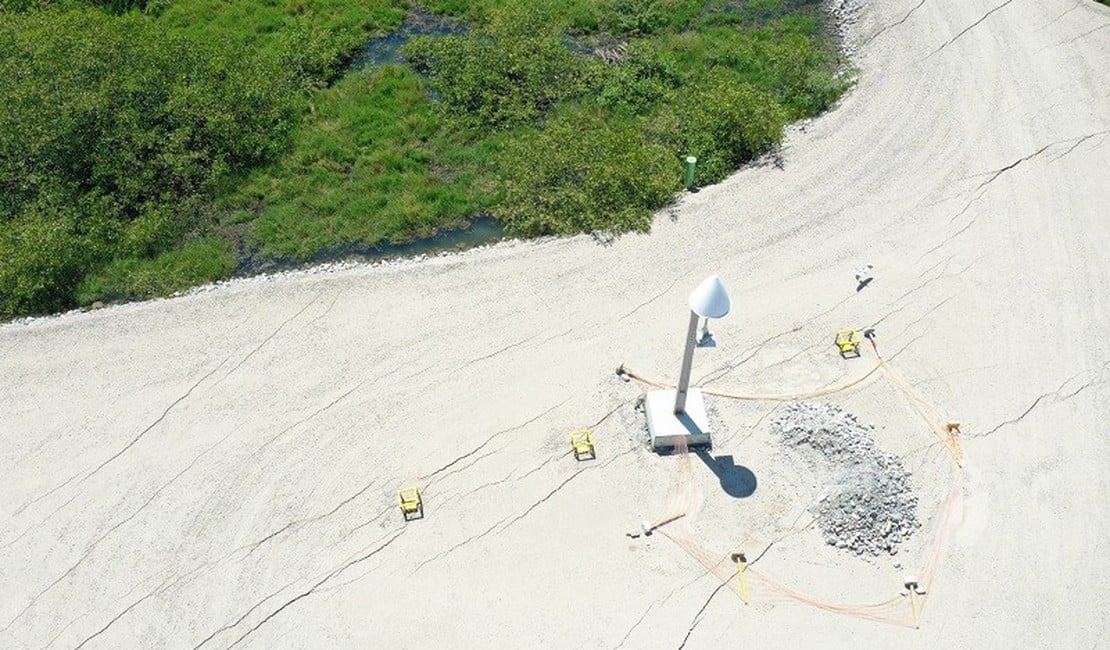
(134, 113)
(114, 116)
(584, 174)
(640, 83)
(505, 75)
(41, 260)
(647, 17)
(724, 123)
(635, 17)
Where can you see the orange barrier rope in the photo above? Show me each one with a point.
(783, 397)
(891, 611)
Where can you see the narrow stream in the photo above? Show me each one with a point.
(387, 49)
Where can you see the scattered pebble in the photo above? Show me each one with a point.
(845, 14)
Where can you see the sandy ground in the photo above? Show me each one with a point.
(221, 469)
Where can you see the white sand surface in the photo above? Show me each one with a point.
(221, 469)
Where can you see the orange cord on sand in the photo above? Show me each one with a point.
(686, 498)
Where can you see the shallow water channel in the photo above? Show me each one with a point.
(387, 49)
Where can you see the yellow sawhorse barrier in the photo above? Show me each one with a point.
(411, 503)
(847, 341)
(582, 444)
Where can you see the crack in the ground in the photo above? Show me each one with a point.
(545, 463)
(164, 587)
(925, 315)
(1057, 394)
(905, 347)
(570, 478)
(953, 373)
(655, 297)
(945, 261)
(782, 537)
(131, 444)
(92, 546)
(995, 173)
(496, 352)
(490, 484)
(317, 585)
(268, 339)
(506, 522)
(544, 499)
(301, 523)
(271, 440)
(664, 599)
(800, 352)
(943, 273)
(542, 465)
(366, 523)
(1002, 170)
(245, 615)
(753, 351)
(889, 314)
(42, 496)
(488, 440)
(954, 235)
(747, 355)
(1052, 22)
(559, 335)
(637, 624)
(463, 468)
(120, 615)
(697, 617)
(1086, 33)
(1079, 142)
(894, 24)
(443, 554)
(970, 27)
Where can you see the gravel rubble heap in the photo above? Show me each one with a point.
(870, 509)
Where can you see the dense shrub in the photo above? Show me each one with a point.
(584, 174)
(640, 83)
(114, 116)
(726, 123)
(504, 75)
(647, 17)
(42, 258)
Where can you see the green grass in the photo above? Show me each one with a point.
(196, 262)
(367, 167)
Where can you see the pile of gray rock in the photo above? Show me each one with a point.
(869, 507)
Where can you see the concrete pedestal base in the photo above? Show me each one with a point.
(669, 430)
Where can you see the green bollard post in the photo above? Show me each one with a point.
(688, 176)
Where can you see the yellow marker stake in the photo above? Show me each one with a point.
(916, 608)
(959, 454)
(740, 566)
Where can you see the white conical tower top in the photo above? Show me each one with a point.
(710, 299)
